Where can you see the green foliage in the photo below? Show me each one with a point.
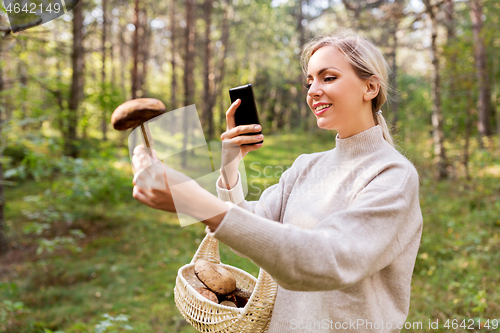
(10, 308)
(113, 324)
(64, 242)
(90, 183)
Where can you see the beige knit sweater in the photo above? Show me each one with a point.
(348, 232)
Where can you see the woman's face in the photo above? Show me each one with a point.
(336, 95)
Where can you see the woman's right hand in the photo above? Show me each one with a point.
(234, 133)
(233, 148)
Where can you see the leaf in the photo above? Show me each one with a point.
(11, 173)
(121, 317)
(77, 233)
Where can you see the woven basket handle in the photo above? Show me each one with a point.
(208, 250)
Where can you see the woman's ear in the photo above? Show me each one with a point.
(372, 88)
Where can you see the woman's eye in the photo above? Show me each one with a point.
(307, 86)
(330, 78)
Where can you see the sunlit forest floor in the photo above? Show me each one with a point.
(127, 260)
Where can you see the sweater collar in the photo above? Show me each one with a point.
(363, 143)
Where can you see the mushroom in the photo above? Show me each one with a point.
(228, 303)
(135, 113)
(242, 296)
(208, 294)
(215, 277)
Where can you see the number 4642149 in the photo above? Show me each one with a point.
(469, 324)
(32, 8)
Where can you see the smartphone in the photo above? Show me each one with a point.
(246, 113)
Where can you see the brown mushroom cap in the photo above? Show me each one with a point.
(135, 112)
(215, 277)
(208, 294)
(238, 292)
(229, 303)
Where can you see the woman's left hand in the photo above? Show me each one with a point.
(160, 187)
(150, 185)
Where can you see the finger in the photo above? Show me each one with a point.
(230, 114)
(141, 162)
(239, 130)
(247, 139)
(144, 154)
(150, 178)
(138, 195)
(139, 149)
(246, 149)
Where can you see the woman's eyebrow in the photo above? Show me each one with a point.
(324, 69)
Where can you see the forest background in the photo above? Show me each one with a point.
(78, 254)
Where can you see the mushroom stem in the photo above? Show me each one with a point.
(148, 140)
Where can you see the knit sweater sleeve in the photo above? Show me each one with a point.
(345, 247)
(271, 201)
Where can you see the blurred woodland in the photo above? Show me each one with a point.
(65, 176)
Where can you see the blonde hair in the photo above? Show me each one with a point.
(367, 61)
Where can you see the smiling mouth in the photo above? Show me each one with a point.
(322, 108)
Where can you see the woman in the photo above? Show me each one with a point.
(349, 218)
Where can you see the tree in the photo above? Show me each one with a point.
(173, 42)
(135, 51)
(188, 71)
(484, 100)
(104, 118)
(76, 92)
(3, 238)
(208, 75)
(395, 13)
(437, 114)
(301, 110)
(224, 47)
(144, 47)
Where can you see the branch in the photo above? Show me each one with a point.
(429, 7)
(17, 28)
(57, 93)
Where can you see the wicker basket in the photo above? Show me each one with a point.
(207, 316)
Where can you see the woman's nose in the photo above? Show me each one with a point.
(314, 90)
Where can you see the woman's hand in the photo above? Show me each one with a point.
(160, 187)
(150, 181)
(233, 148)
(234, 133)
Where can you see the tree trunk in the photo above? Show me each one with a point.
(76, 81)
(301, 113)
(449, 20)
(123, 61)
(3, 238)
(112, 45)
(208, 75)
(437, 115)
(173, 41)
(452, 58)
(394, 77)
(188, 71)
(135, 51)
(484, 100)
(23, 79)
(219, 79)
(104, 119)
(146, 36)
(189, 60)
(468, 130)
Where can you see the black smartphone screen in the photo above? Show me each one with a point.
(246, 113)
